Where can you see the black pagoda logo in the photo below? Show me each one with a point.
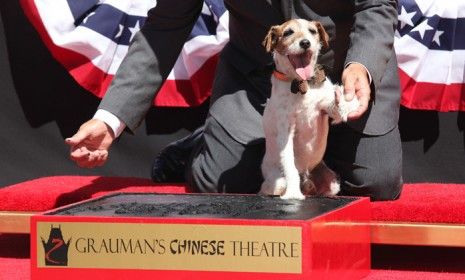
(56, 250)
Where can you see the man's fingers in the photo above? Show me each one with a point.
(77, 138)
(78, 153)
(355, 114)
(83, 157)
(338, 93)
(98, 157)
(101, 160)
(362, 108)
(89, 159)
(364, 97)
(349, 87)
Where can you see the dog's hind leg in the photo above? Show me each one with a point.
(307, 186)
(325, 180)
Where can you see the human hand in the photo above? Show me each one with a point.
(90, 145)
(356, 84)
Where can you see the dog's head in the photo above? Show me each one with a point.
(295, 45)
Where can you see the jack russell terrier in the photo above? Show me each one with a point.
(296, 117)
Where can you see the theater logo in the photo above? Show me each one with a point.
(56, 250)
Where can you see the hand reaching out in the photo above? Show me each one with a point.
(90, 145)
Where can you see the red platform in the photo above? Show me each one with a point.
(320, 238)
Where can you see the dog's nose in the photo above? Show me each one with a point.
(304, 44)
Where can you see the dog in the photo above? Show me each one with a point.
(296, 116)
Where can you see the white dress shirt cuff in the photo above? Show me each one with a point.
(111, 120)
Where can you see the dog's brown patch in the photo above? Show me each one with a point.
(324, 37)
(300, 86)
(285, 41)
(272, 38)
(276, 41)
(319, 78)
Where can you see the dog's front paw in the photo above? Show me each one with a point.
(342, 108)
(293, 192)
(293, 195)
(275, 188)
(345, 107)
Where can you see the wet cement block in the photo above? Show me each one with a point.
(200, 236)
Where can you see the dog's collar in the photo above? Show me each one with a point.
(302, 85)
(281, 76)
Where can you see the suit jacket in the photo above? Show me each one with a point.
(359, 30)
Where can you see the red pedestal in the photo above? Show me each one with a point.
(154, 236)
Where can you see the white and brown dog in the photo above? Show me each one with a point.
(296, 117)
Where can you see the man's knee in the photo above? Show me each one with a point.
(378, 184)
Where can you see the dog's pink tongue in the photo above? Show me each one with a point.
(302, 66)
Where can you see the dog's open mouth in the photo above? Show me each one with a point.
(301, 64)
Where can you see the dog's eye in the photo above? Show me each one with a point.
(312, 31)
(288, 32)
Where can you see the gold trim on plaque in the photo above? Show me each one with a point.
(403, 233)
(15, 221)
(424, 234)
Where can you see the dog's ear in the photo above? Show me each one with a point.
(272, 38)
(324, 37)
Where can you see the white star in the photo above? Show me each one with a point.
(120, 31)
(87, 17)
(436, 36)
(134, 30)
(405, 18)
(422, 28)
(206, 10)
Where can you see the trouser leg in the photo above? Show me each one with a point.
(170, 164)
(229, 156)
(368, 165)
(220, 164)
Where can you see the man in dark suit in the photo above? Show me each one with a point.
(228, 150)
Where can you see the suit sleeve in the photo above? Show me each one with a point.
(150, 58)
(372, 35)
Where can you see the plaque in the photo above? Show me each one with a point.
(203, 236)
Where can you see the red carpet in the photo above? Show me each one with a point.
(430, 203)
(435, 203)
(51, 192)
